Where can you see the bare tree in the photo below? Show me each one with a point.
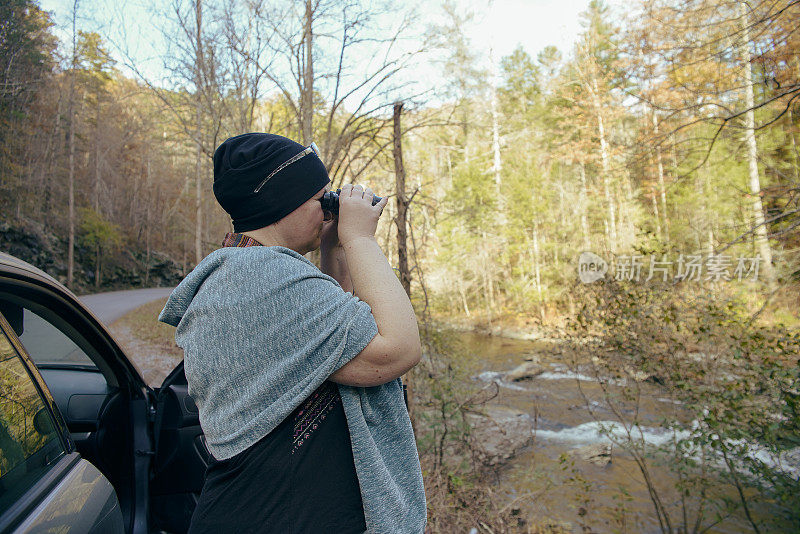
(336, 66)
(248, 56)
(194, 92)
(588, 73)
(401, 220)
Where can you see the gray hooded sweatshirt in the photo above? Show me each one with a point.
(262, 328)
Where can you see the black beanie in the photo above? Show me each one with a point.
(242, 163)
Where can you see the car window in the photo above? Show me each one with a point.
(47, 344)
(29, 444)
(43, 341)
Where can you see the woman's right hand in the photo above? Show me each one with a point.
(358, 218)
(397, 347)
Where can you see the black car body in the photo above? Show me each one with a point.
(95, 408)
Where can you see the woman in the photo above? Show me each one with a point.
(296, 371)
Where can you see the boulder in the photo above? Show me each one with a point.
(499, 434)
(596, 453)
(525, 371)
(640, 376)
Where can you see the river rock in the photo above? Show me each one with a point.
(596, 453)
(525, 371)
(499, 434)
(640, 376)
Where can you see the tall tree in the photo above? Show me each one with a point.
(26, 63)
(734, 78)
(463, 72)
(199, 84)
(592, 89)
(71, 140)
(401, 220)
(94, 71)
(752, 149)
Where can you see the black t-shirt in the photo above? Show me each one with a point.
(298, 479)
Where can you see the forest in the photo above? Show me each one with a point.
(635, 200)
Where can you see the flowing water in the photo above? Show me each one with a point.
(567, 408)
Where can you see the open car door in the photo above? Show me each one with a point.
(181, 456)
(97, 392)
(147, 443)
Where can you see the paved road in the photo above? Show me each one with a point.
(109, 307)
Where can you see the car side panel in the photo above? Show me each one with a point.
(181, 457)
(80, 396)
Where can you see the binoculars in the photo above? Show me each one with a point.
(330, 201)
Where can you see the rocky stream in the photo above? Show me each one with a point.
(557, 445)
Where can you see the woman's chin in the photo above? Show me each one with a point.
(315, 245)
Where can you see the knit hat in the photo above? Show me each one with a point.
(259, 178)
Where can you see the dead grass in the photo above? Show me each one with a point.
(144, 324)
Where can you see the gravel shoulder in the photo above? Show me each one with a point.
(147, 342)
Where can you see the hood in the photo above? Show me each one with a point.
(181, 298)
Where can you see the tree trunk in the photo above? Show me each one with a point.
(47, 166)
(71, 179)
(464, 115)
(760, 234)
(601, 132)
(147, 223)
(401, 223)
(562, 211)
(655, 214)
(790, 118)
(627, 209)
(537, 269)
(198, 236)
(307, 96)
(96, 190)
(449, 184)
(402, 202)
(488, 284)
(662, 191)
(584, 208)
(708, 192)
(71, 237)
(463, 295)
(97, 268)
(496, 161)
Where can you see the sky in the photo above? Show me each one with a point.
(499, 26)
(533, 24)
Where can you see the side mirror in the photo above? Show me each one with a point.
(42, 422)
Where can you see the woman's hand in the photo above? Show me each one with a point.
(333, 261)
(397, 347)
(358, 218)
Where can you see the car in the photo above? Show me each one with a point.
(85, 444)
